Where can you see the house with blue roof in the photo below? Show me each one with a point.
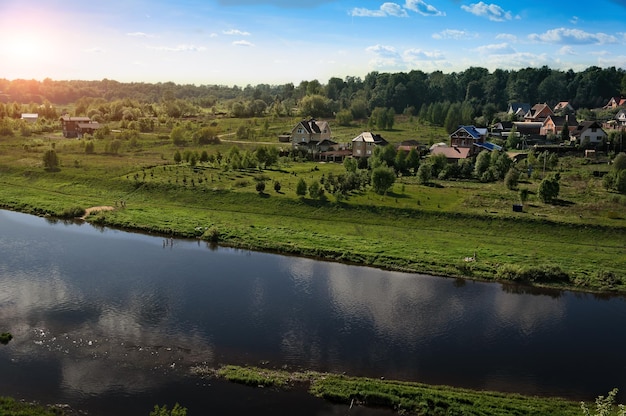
(472, 138)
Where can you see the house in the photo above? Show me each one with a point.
(363, 144)
(620, 117)
(87, 128)
(472, 138)
(452, 153)
(518, 109)
(590, 132)
(71, 126)
(538, 112)
(30, 117)
(564, 107)
(553, 125)
(408, 145)
(615, 102)
(307, 134)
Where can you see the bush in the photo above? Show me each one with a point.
(177, 410)
(73, 212)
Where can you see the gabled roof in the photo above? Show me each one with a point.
(538, 109)
(515, 107)
(313, 126)
(562, 105)
(370, 137)
(586, 125)
(326, 142)
(559, 121)
(453, 152)
(476, 133)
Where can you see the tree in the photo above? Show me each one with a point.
(178, 136)
(350, 164)
(605, 406)
(301, 187)
(315, 190)
(549, 188)
(483, 160)
(51, 160)
(512, 178)
(413, 160)
(383, 178)
(177, 157)
(260, 186)
(424, 173)
(277, 186)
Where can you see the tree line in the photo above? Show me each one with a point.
(414, 91)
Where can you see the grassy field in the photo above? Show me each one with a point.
(578, 243)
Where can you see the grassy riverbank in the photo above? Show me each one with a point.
(452, 228)
(403, 397)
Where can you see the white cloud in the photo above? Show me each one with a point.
(235, 32)
(454, 34)
(573, 36)
(496, 49)
(574, 20)
(386, 9)
(139, 35)
(491, 11)
(242, 43)
(506, 36)
(179, 48)
(396, 10)
(567, 50)
(422, 55)
(419, 6)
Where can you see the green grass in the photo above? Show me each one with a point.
(428, 229)
(12, 407)
(403, 397)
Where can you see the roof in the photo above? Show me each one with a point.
(369, 137)
(313, 126)
(92, 125)
(515, 107)
(488, 146)
(476, 133)
(326, 142)
(30, 115)
(451, 152)
(559, 121)
(79, 119)
(561, 105)
(586, 125)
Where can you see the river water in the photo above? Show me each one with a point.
(112, 322)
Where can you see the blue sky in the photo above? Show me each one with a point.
(241, 42)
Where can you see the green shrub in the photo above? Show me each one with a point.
(73, 212)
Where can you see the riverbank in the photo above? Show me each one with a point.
(402, 397)
(523, 249)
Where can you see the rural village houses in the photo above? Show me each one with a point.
(78, 126)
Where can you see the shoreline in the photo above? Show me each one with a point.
(330, 256)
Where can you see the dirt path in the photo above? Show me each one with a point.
(97, 209)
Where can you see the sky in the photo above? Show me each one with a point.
(251, 42)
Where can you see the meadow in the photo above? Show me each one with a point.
(457, 228)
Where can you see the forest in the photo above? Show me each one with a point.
(483, 94)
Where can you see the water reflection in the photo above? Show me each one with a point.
(116, 312)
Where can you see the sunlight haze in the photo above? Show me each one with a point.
(241, 42)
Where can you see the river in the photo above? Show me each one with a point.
(112, 322)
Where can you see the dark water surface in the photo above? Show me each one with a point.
(112, 322)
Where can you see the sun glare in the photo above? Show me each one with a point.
(26, 48)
